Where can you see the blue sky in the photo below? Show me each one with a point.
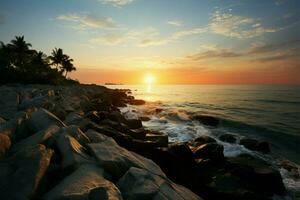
(152, 35)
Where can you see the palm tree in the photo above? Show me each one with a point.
(67, 65)
(20, 50)
(57, 57)
(39, 61)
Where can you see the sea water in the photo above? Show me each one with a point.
(265, 112)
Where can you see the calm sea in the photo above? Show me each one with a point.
(265, 112)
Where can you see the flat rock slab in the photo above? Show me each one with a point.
(117, 160)
(141, 184)
(80, 183)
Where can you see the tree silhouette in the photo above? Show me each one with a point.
(57, 57)
(67, 65)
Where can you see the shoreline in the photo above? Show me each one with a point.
(75, 128)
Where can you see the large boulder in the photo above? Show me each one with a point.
(212, 151)
(42, 119)
(117, 160)
(255, 145)
(87, 182)
(206, 120)
(141, 184)
(9, 102)
(229, 138)
(38, 138)
(21, 174)
(73, 118)
(73, 154)
(4, 144)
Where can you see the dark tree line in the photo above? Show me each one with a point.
(21, 64)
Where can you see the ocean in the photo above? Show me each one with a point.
(266, 112)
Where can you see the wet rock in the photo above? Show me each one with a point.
(4, 144)
(87, 182)
(134, 123)
(255, 145)
(94, 117)
(142, 184)
(117, 160)
(160, 140)
(206, 120)
(256, 175)
(21, 174)
(202, 140)
(95, 137)
(71, 151)
(212, 151)
(181, 151)
(158, 110)
(42, 119)
(228, 138)
(144, 118)
(137, 102)
(9, 102)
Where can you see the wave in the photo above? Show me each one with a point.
(275, 101)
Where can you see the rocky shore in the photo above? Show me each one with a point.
(72, 142)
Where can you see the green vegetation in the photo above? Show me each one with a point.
(21, 64)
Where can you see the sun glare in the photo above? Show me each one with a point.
(149, 79)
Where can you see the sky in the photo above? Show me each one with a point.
(176, 41)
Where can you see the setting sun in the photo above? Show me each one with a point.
(149, 79)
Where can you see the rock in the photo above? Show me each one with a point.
(38, 138)
(255, 145)
(87, 182)
(95, 117)
(202, 140)
(76, 133)
(42, 119)
(181, 151)
(134, 123)
(117, 160)
(142, 184)
(2, 120)
(229, 138)
(8, 102)
(159, 140)
(158, 110)
(206, 120)
(21, 174)
(137, 102)
(256, 175)
(71, 151)
(73, 118)
(212, 151)
(144, 118)
(95, 137)
(4, 144)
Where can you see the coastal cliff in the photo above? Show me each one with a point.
(72, 142)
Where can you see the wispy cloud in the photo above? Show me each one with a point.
(271, 47)
(217, 53)
(175, 22)
(281, 56)
(235, 26)
(117, 3)
(88, 21)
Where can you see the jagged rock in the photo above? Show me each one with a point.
(95, 137)
(42, 119)
(87, 182)
(212, 151)
(206, 120)
(76, 133)
(142, 184)
(21, 174)
(8, 102)
(202, 140)
(255, 145)
(134, 123)
(228, 138)
(10, 127)
(38, 138)
(117, 160)
(144, 118)
(71, 151)
(4, 144)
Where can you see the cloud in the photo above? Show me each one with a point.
(267, 48)
(236, 26)
(175, 23)
(279, 2)
(88, 21)
(216, 53)
(117, 3)
(288, 55)
(109, 39)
